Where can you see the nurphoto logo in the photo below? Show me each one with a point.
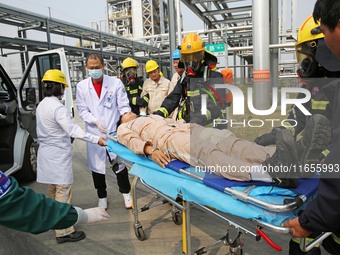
(239, 105)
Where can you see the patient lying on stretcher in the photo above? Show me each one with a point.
(164, 140)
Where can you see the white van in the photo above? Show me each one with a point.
(18, 142)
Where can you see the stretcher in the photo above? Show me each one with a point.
(265, 206)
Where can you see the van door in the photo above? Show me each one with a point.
(31, 86)
(8, 120)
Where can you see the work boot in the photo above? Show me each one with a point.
(73, 237)
(281, 166)
(316, 138)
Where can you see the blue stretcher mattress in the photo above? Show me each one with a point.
(170, 182)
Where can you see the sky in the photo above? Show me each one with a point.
(85, 12)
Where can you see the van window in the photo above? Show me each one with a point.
(5, 94)
(34, 77)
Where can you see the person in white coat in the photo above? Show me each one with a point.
(101, 101)
(54, 131)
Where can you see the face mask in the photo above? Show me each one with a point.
(96, 73)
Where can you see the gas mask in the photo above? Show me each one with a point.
(316, 60)
(192, 62)
(130, 74)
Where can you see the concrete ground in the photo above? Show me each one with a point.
(116, 236)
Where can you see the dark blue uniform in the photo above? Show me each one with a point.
(323, 213)
(188, 94)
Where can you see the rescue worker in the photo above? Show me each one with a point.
(163, 139)
(24, 210)
(54, 131)
(156, 86)
(197, 84)
(323, 213)
(133, 85)
(179, 68)
(101, 100)
(316, 66)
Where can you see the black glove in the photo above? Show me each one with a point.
(158, 112)
(268, 139)
(143, 101)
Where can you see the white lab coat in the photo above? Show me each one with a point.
(55, 129)
(113, 103)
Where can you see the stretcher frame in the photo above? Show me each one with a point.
(234, 243)
(235, 247)
(185, 207)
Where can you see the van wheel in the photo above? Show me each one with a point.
(28, 171)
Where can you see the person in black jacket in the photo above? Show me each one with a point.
(196, 90)
(323, 213)
(133, 85)
(316, 66)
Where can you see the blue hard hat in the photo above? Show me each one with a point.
(176, 54)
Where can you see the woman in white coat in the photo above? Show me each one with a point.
(101, 101)
(54, 130)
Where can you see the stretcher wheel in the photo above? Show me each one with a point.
(176, 217)
(139, 232)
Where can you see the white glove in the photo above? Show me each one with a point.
(91, 215)
(100, 126)
(96, 214)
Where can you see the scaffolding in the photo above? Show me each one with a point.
(129, 17)
(141, 28)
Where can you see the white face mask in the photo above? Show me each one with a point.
(95, 73)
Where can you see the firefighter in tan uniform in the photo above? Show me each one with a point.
(156, 87)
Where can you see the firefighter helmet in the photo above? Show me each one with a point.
(309, 31)
(192, 43)
(55, 75)
(129, 62)
(313, 56)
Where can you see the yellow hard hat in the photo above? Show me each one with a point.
(192, 43)
(151, 65)
(309, 31)
(129, 62)
(55, 75)
(312, 53)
